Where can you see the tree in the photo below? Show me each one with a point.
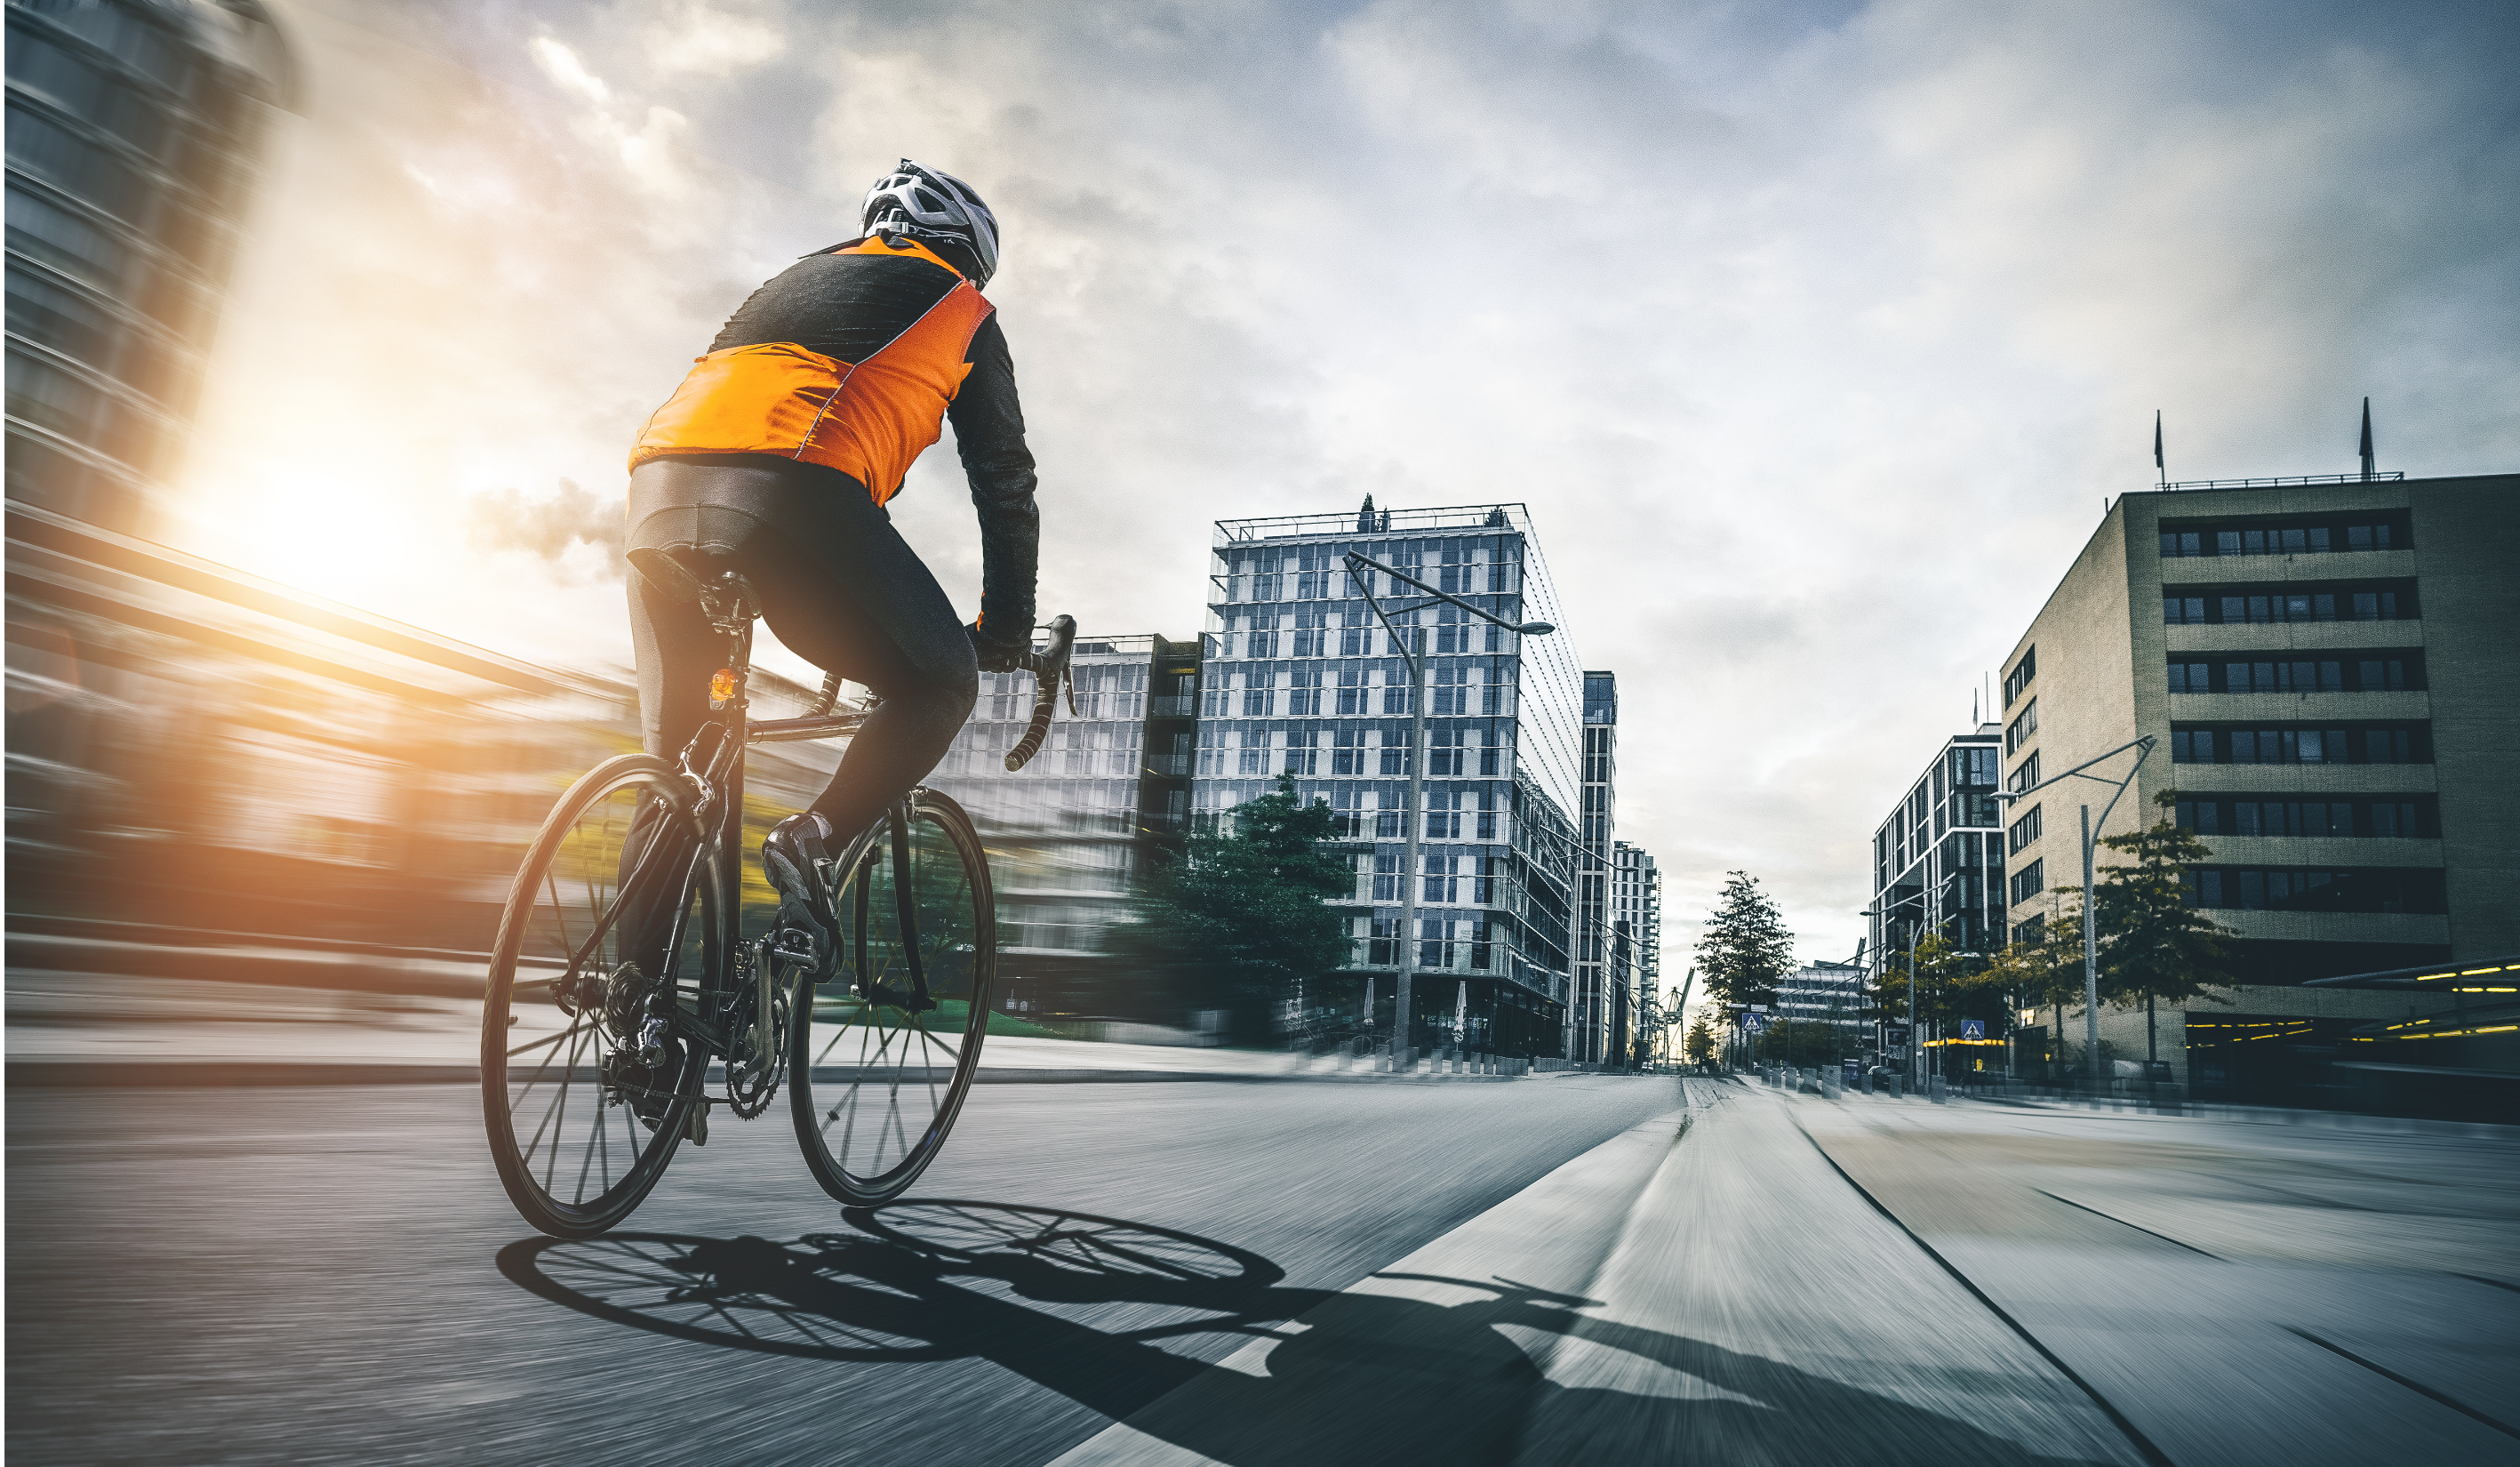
(2154, 944)
(1701, 1043)
(1745, 947)
(1240, 917)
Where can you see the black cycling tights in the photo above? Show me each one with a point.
(837, 584)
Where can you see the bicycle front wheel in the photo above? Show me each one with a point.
(878, 1076)
(611, 924)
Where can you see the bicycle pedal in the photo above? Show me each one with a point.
(697, 1131)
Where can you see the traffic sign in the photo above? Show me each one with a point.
(1756, 1023)
(1972, 1028)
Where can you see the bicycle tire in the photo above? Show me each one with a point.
(533, 977)
(852, 1066)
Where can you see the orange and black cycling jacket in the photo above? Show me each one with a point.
(851, 359)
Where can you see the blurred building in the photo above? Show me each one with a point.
(2328, 669)
(136, 135)
(1070, 833)
(1300, 680)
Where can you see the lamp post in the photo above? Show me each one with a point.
(1915, 1048)
(1359, 568)
(2091, 925)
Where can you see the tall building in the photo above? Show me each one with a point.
(1070, 833)
(136, 133)
(2328, 669)
(1302, 679)
(1599, 1014)
(1937, 861)
(1636, 908)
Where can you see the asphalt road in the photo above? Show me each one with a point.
(332, 1275)
(1293, 1274)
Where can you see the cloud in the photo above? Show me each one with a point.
(502, 520)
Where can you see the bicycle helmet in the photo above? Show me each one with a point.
(927, 204)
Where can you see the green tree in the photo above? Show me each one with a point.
(1701, 1043)
(1744, 947)
(2154, 944)
(1238, 920)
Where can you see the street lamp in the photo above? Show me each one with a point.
(1916, 1048)
(1359, 566)
(2091, 925)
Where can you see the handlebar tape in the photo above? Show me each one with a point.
(1050, 667)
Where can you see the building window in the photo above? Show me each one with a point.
(2261, 743)
(2026, 775)
(2284, 889)
(2020, 676)
(2018, 732)
(2029, 882)
(2024, 832)
(1347, 752)
(1304, 693)
(2295, 536)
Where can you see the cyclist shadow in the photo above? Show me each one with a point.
(1435, 1369)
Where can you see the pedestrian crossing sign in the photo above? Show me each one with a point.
(1973, 1029)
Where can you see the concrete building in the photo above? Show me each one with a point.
(2329, 670)
(1635, 914)
(1300, 679)
(1070, 834)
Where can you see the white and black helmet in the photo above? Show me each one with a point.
(925, 204)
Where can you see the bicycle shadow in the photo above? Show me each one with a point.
(1350, 1377)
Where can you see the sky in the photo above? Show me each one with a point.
(1815, 336)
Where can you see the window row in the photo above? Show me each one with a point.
(2019, 678)
(2394, 603)
(1444, 878)
(1462, 636)
(2029, 882)
(2375, 532)
(2254, 744)
(2025, 776)
(2286, 889)
(1453, 695)
(2019, 731)
(1348, 752)
(2025, 832)
(2376, 672)
(2357, 818)
(1443, 946)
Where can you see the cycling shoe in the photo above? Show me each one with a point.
(797, 857)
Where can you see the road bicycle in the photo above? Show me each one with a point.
(625, 980)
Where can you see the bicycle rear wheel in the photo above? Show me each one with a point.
(876, 1078)
(590, 956)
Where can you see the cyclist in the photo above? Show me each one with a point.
(775, 458)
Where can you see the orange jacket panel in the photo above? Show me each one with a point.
(871, 420)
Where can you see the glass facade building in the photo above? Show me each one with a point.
(1941, 853)
(1302, 679)
(1635, 909)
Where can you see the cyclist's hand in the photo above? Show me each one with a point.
(1000, 657)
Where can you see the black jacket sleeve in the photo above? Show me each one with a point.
(989, 432)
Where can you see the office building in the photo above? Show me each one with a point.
(1937, 861)
(1597, 1016)
(1635, 912)
(2328, 670)
(1824, 994)
(1301, 679)
(1070, 833)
